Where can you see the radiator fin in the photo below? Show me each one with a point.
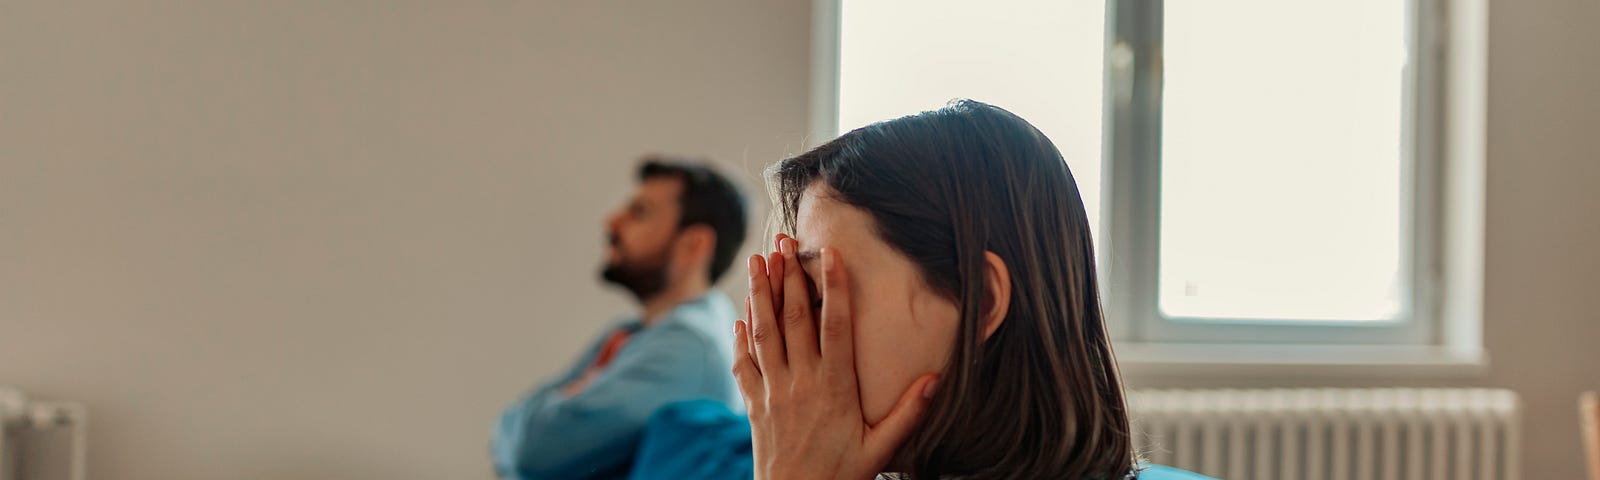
(1331, 434)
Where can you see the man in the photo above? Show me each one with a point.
(668, 245)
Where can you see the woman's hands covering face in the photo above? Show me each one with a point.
(797, 374)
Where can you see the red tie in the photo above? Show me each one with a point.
(609, 350)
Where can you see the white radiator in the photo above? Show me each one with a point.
(18, 415)
(1331, 434)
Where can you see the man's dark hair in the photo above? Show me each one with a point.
(708, 198)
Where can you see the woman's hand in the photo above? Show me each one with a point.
(798, 377)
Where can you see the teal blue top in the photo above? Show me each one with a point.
(1161, 472)
(685, 355)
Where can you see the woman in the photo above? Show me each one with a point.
(933, 311)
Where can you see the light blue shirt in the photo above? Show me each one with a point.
(685, 355)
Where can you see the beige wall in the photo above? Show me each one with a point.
(1543, 266)
(314, 239)
(306, 239)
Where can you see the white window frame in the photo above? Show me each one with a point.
(1444, 119)
(1133, 81)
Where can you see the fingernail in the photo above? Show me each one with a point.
(830, 259)
(930, 389)
(786, 246)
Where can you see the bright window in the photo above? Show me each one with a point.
(1257, 170)
(1039, 59)
(1281, 160)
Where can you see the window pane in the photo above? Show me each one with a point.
(1281, 194)
(1040, 59)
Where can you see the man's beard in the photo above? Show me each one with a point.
(644, 281)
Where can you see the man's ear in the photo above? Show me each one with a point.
(695, 244)
(996, 292)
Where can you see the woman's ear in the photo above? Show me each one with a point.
(996, 292)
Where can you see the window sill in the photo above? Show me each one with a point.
(1246, 360)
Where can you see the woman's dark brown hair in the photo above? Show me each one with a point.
(1041, 397)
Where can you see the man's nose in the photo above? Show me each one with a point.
(613, 222)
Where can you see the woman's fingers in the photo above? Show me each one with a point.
(884, 438)
(799, 331)
(775, 271)
(763, 323)
(746, 347)
(837, 340)
(744, 367)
